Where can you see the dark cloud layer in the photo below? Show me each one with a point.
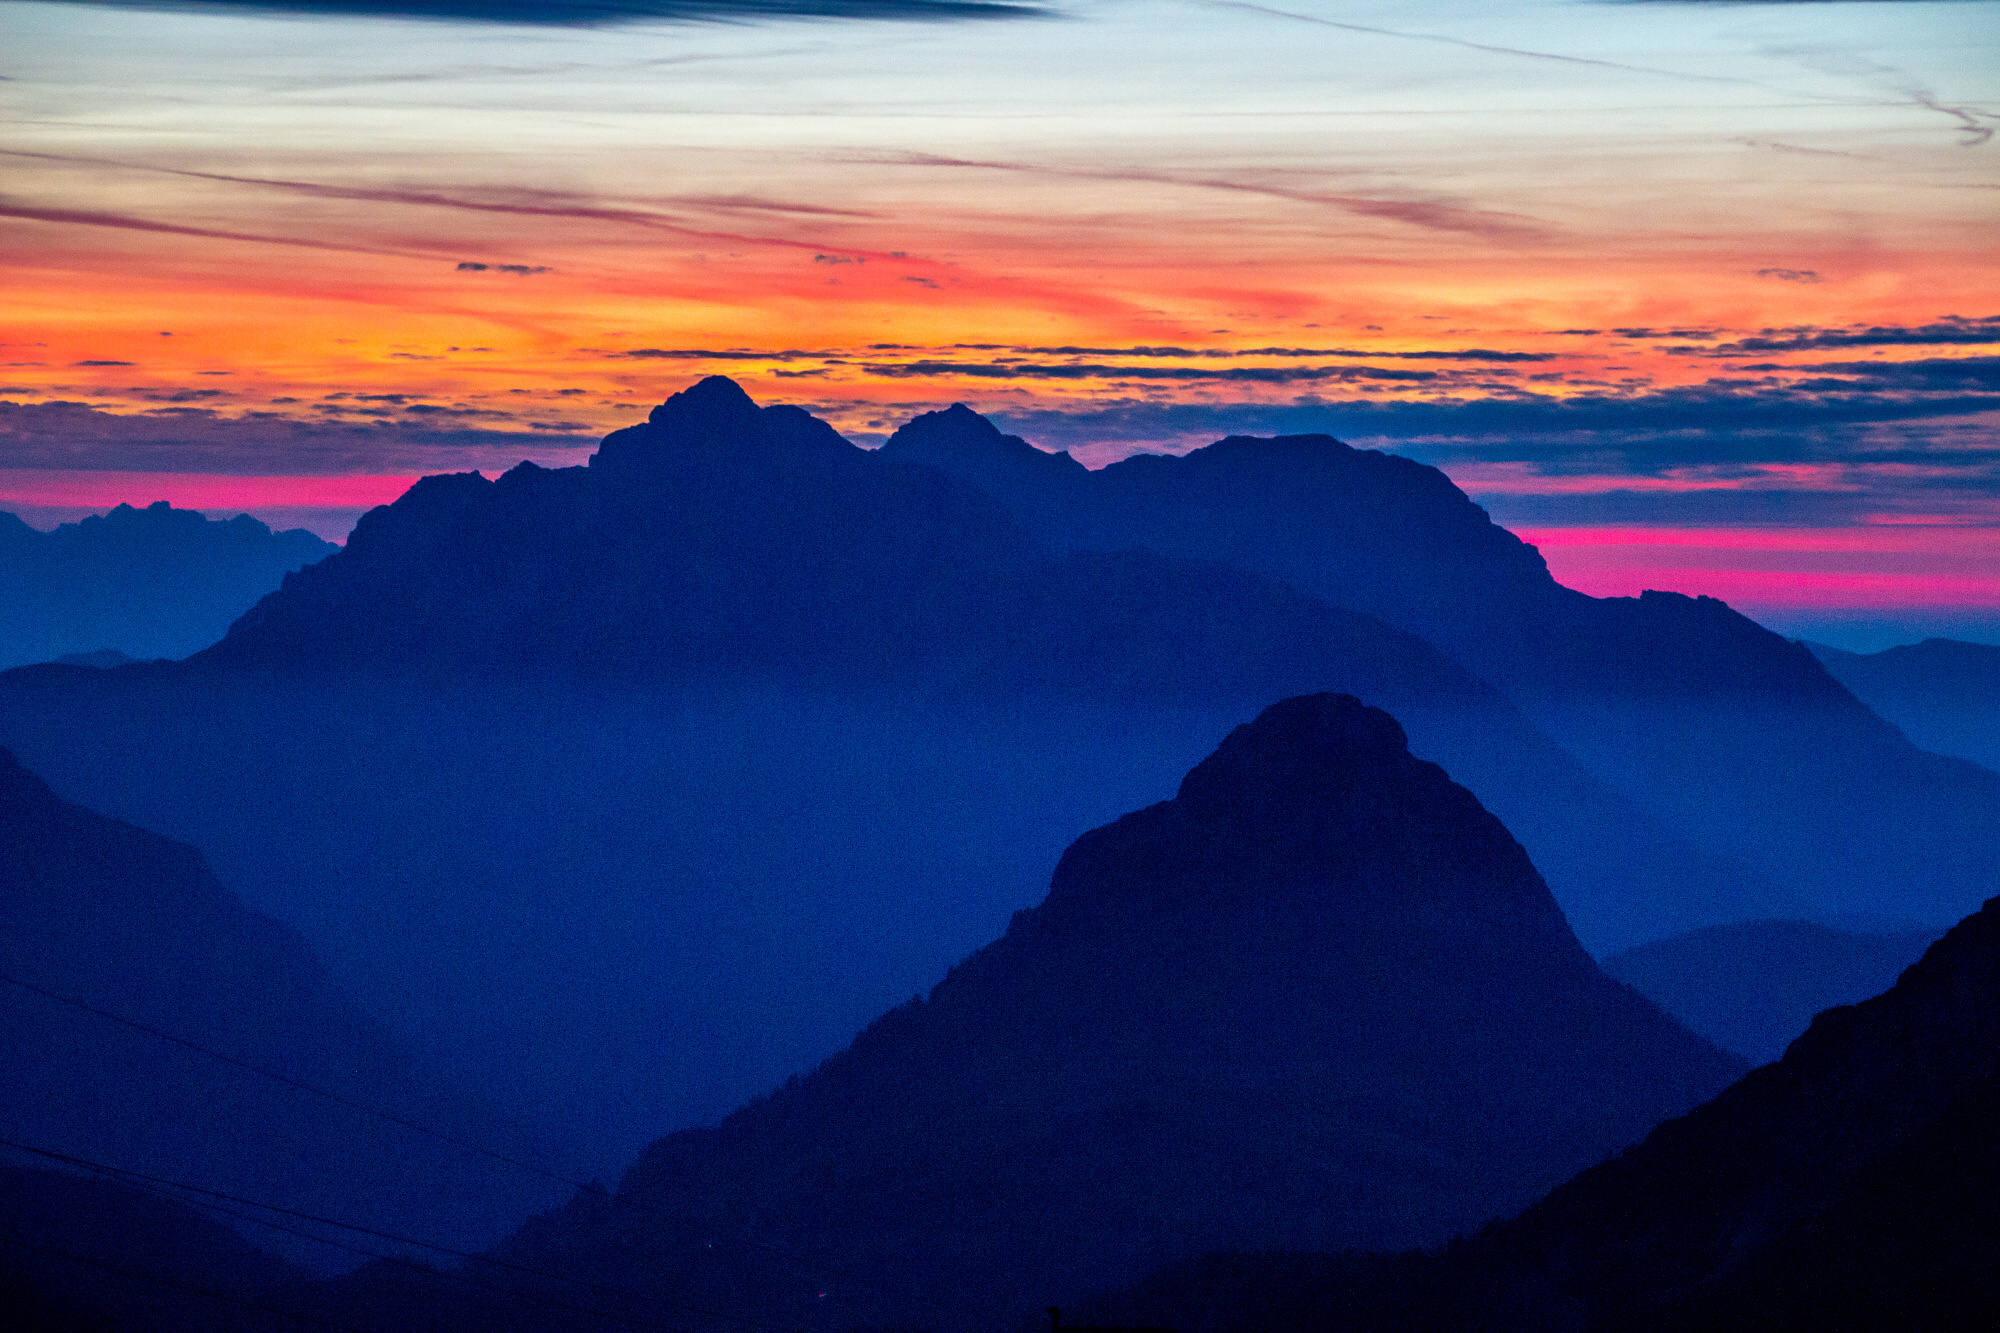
(597, 13)
(1182, 374)
(1479, 354)
(1952, 330)
(394, 439)
(1640, 434)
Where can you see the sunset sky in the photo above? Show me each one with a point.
(1694, 296)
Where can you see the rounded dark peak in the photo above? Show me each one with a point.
(1320, 789)
(717, 402)
(1296, 744)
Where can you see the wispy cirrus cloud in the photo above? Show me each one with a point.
(1430, 214)
(79, 217)
(516, 201)
(1974, 125)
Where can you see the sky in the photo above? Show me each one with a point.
(1694, 296)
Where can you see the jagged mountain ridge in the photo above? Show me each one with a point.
(152, 582)
(1733, 738)
(1319, 998)
(723, 541)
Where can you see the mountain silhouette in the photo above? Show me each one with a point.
(739, 734)
(724, 541)
(1943, 693)
(102, 916)
(717, 536)
(152, 582)
(1319, 998)
(1854, 1184)
(1753, 986)
(1733, 738)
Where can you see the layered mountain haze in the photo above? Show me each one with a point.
(1753, 986)
(1853, 1184)
(152, 582)
(1944, 694)
(1318, 999)
(721, 540)
(639, 785)
(1731, 737)
(119, 948)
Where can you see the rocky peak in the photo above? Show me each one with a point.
(715, 403)
(715, 419)
(960, 440)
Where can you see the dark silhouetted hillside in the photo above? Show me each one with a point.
(1731, 737)
(126, 922)
(1319, 998)
(152, 582)
(1944, 694)
(84, 1255)
(1753, 986)
(1853, 1185)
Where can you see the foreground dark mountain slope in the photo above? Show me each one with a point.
(1943, 693)
(1752, 986)
(82, 1255)
(1853, 1185)
(1734, 738)
(1319, 998)
(126, 922)
(152, 582)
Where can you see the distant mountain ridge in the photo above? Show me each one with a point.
(1943, 693)
(1752, 987)
(152, 582)
(1733, 738)
(1319, 998)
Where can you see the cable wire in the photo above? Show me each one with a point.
(122, 1172)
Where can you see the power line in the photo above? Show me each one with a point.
(122, 1172)
(397, 1259)
(394, 1119)
(300, 1084)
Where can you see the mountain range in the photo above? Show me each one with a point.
(622, 791)
(1319, 999)
(151, 582)
(1733, 738)
(1943, 693)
